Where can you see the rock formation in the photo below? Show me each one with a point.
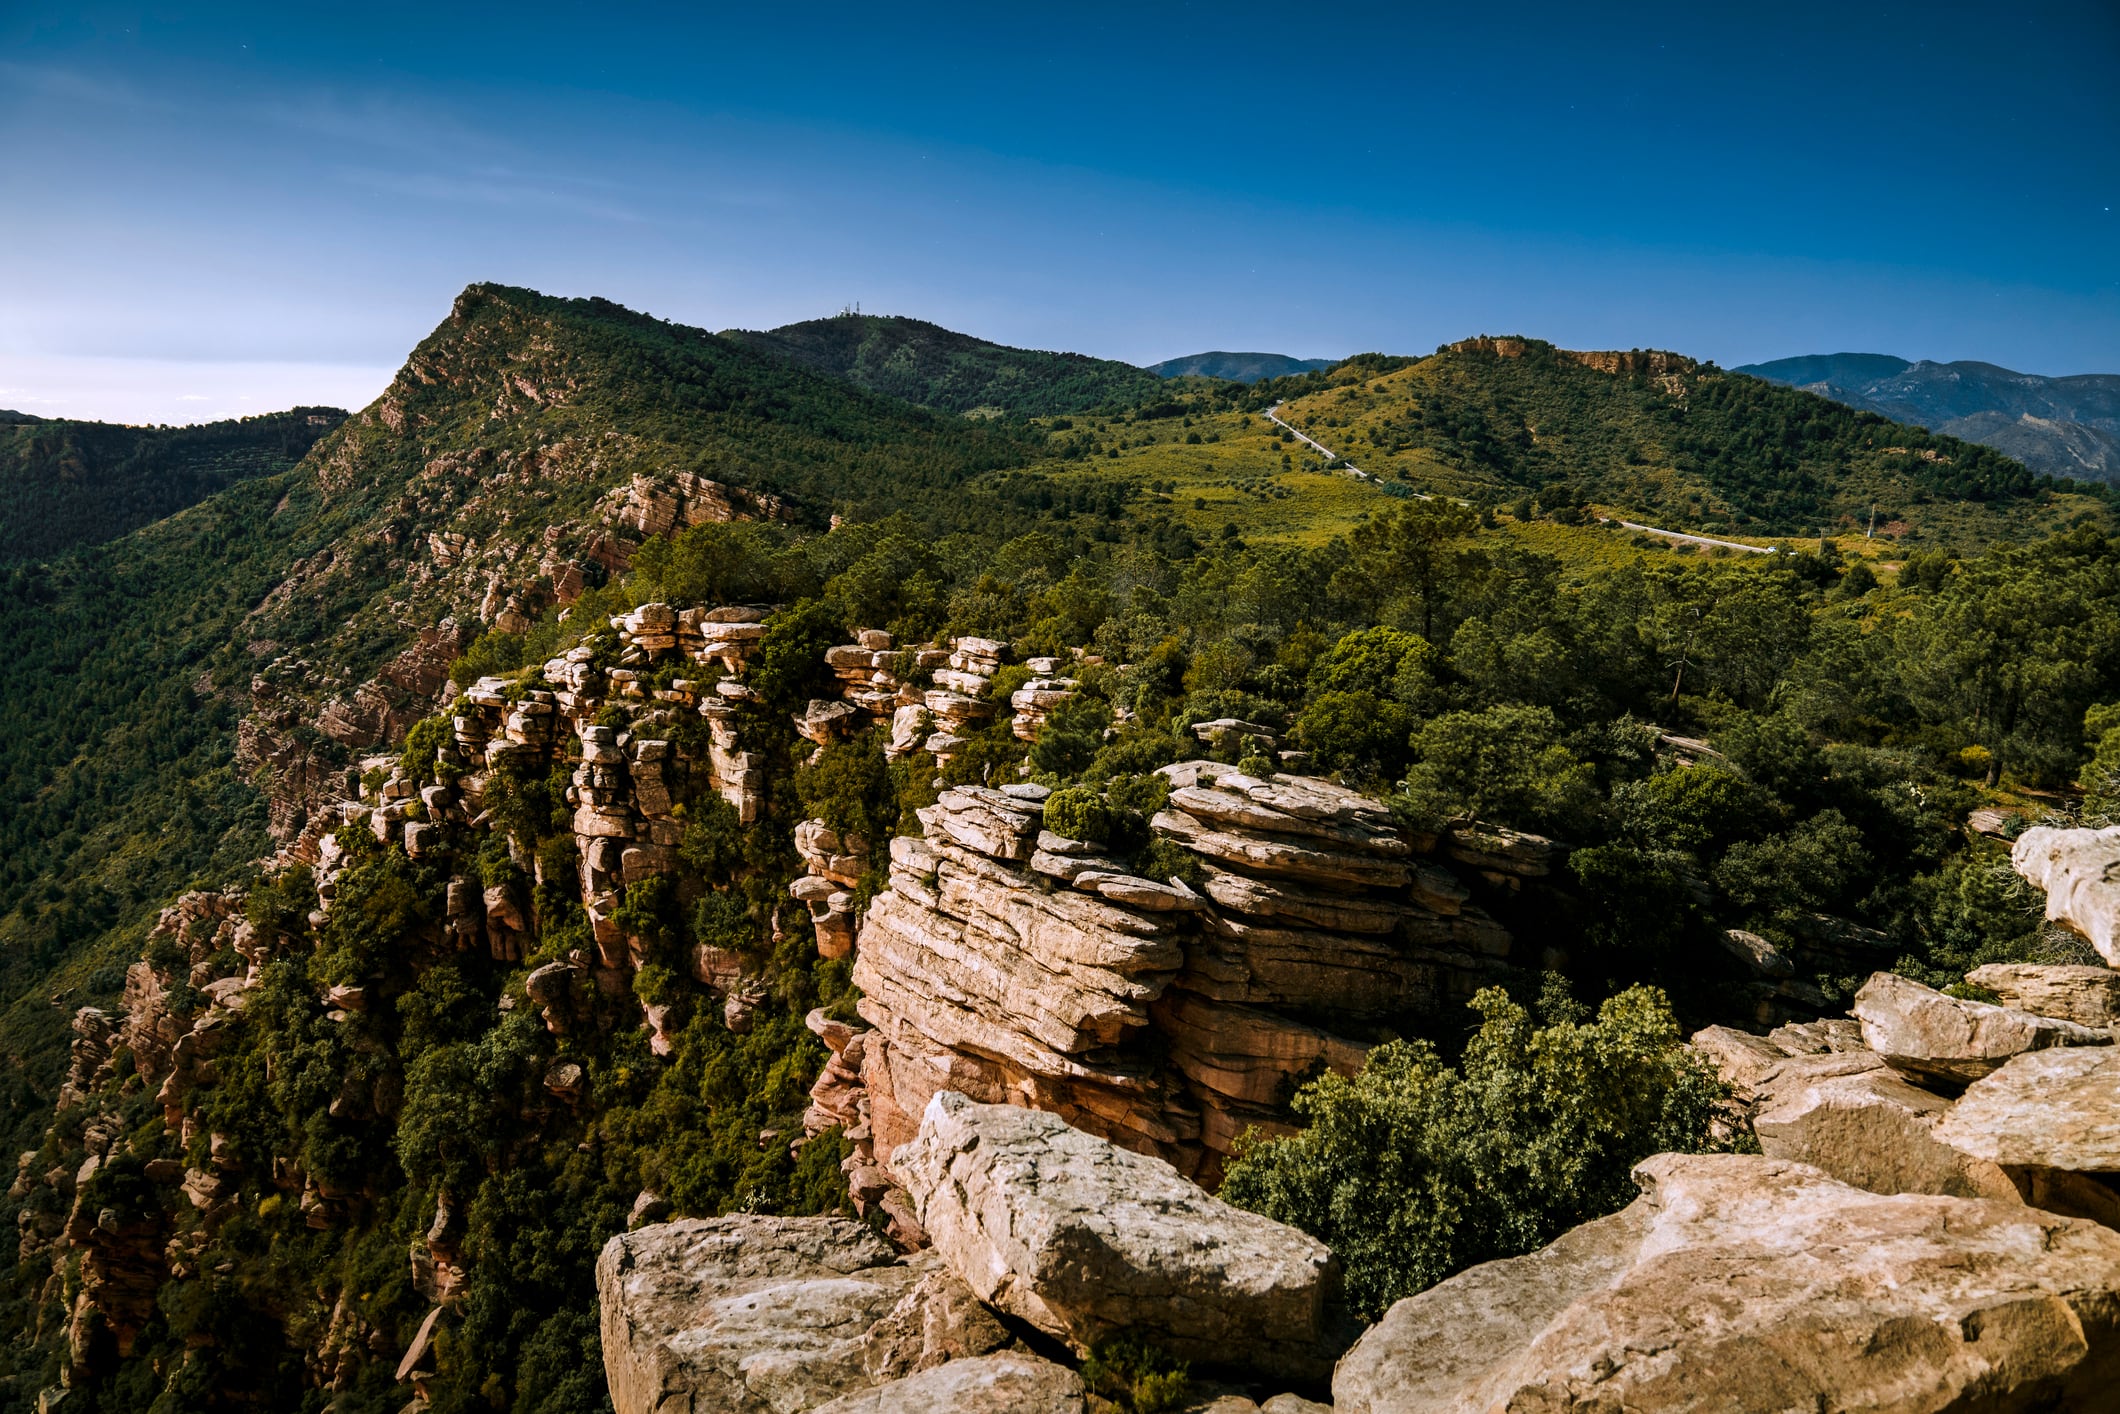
(1925, 1033)
(1020, 966)
(1085, 1240)
(755, 1314)
(2076, 868)
(1756, 1283)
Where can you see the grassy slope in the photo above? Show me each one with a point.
(1684, 446)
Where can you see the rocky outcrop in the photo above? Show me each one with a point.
(1085, 1240)
(2088, 996)
(747, 1314)
(1008, 1383)
(2051, 1121)
(1925, 1033)
(2080, 871)
(1753, 1283)
(1020, 966)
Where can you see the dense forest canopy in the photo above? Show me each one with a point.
(934, 367)
(65, 483)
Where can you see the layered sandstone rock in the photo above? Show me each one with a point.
(1752, 1283)
(1925, 1033)
(1085, 1240)
(2051, 1120)
(747, 1313)
(2088, 996)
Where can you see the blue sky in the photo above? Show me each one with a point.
(223, 209)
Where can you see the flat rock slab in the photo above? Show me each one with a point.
(2051, 1120)
(1744, 1283)
(1086, 1240)
(2088, 996)
(2080, 871)
(1008, 1383)
(1925, 1033)
(754, 1314)
(1861, 1122)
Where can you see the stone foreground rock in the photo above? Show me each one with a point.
(2051, 1119)
(1862, 1123)
(1008, 1383)
(1085, 1240)
(1745, 1283)
(2080, 871)
(2088, 996)
(1925, 1033)
(752, 1314)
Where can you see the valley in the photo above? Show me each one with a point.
(632, 794)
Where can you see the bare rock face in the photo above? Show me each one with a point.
(1084, 1240)
(1924, 1033)
(747, 1314)
(1008, 1383)
(2080, 871)
(1861, 1122)
(2051, 1120)
(2088, 996)
(1744, 1283)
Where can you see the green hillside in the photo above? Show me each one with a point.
(78, 483)
(1661, 437)
(934, 367)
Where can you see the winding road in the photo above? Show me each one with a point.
(1274, 415)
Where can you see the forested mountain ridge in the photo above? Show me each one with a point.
(66, 483)
(528, 963)
(935, 367)
(1676, 442)
(1238, 367)
(2068, 426)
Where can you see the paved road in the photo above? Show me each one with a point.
(1274, 414)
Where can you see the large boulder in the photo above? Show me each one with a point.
(1738, 1282)
(1925, 1033)
(2080, 871)
(1085, 1240)
(1008, 1383)
(752, 1314)
(2051, 1120)
(2088, 996)
(1860, 1121)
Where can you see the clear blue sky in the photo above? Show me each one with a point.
(218, 208)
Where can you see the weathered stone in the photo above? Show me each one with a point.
(2051, 1119)
(746, 1313)
(1307, 861)
(1835, 1033)
(1859, 1121)
(2088, 996)
(1290, 903)
(2080, 871)
(1084, 1240)
(1746, 1283)
(1756, 953)
(1923, 1032)
(1007, 1383)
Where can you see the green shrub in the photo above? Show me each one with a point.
(1413, 1170)
(426, 739)
(1137, 1375)
(1078, 814)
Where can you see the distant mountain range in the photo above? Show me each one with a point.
(2058, 426)
(1238, 367)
